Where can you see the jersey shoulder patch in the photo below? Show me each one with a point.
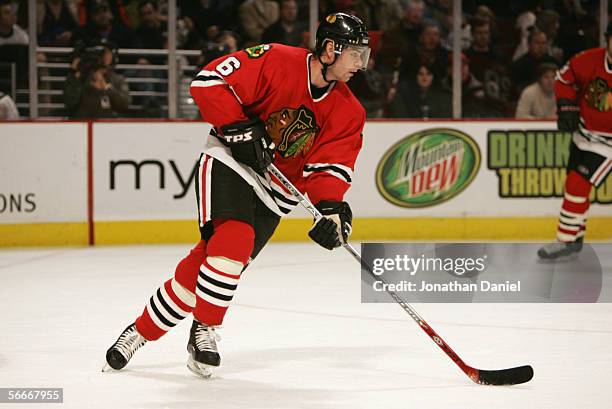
(257, 51)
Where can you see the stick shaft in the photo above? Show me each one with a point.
(468, 370)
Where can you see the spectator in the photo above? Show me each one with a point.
(421, 97)
(538, 99)
(378, 14)
(10, 32)
(287, 30)
(229, 40)
(481, 53)
(8, 109)
(201, 21)
(428, 51)
(474, 100)
(525, 23)
(371, 89)
(152, 31)
(58, 24)
(398, 39)
(102, 25)
(117, 9)
(488, 65)
(93, 89)
(548, 22)
(256, 16)
(525, 69)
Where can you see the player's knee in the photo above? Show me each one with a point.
(232, 240)
(225, 264)
(186, 273)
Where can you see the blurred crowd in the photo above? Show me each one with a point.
(510, 50)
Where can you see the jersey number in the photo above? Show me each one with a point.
(228, 66)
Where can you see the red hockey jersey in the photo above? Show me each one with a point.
(587, 78)
(317, 139)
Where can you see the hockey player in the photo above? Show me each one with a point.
(584, 98)
(269, 103)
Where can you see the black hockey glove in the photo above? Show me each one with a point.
(568, 115)
(250, 144)
(334, 228)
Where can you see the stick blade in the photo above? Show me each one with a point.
(510, 376)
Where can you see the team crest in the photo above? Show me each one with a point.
(257, 51)
(292, 130)
(331, 19)
(598, 95)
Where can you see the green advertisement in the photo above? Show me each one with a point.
(428, 167)
(532, 164)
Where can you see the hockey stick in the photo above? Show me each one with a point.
(509, 376)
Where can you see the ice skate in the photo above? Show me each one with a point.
(560, 250)
(202, 348)
(120, 353)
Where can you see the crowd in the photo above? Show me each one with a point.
(510, 50)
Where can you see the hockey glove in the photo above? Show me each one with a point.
(334, 228)
(568, 115)
(250, 144)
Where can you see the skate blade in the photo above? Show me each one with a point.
(559, 260)
(201, 370)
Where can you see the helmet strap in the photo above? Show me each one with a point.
(326, 66)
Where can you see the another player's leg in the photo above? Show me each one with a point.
(170, 303)
(586, 168)
(572, 219)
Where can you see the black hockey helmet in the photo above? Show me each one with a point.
(608, 32)
(344, 30)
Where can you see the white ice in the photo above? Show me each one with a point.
(296, 337)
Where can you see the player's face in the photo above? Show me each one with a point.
(349, 62)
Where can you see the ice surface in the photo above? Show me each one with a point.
(296, 336)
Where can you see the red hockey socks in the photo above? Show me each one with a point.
(572, 217)
(174, 300)
(228, 251)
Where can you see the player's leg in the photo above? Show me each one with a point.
(168, 305)
(585, 169)
(218, 279)
(227, 211)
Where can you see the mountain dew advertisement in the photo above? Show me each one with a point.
(428, 167)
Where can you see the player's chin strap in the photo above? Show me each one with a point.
(326, 66)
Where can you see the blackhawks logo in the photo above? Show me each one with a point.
(598, 95)
(292, 130)
(257, 51)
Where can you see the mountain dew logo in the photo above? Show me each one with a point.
(427, 168)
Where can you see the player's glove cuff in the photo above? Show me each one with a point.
(249, 143)
(568, 115)
(335, 227)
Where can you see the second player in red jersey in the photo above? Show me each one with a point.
(584, 98)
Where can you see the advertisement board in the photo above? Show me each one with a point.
(44, 173)
(132, 182)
